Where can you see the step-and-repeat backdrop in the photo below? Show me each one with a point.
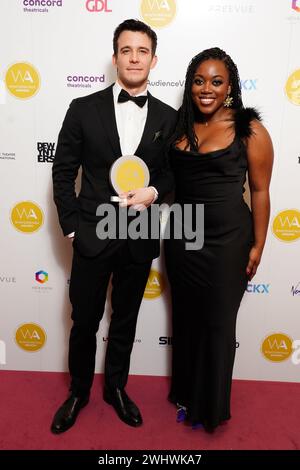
(55, 50)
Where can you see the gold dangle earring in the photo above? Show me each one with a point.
(227, 103)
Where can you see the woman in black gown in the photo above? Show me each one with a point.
(216, 142)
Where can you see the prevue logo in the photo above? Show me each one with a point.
(296, 5)
(97, 6)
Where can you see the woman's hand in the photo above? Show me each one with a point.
(254, 260)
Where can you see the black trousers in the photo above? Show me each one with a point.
(88, 288)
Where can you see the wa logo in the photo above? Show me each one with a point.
(155, 285)
(277, 347)
(158, 13)
(27, 217)
(30, 337)
(286, 225)
(22, 80)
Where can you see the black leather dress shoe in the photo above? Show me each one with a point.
(125, 408)
(66, 415)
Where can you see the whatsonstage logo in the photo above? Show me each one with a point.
(84, 81)
(27, 217)
(46, 152)
(40, 6)
(30, 337)
(158, 13)
(22, 80)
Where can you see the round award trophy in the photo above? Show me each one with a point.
(127, 173)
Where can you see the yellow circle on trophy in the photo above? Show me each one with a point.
(292, 87)
(155, 285)
(158, 13)
(22, 80)
(129, 172)
(286, 225)
(30, 337)
(27, 217)
(277, 347)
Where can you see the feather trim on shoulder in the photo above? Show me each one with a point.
(243, 118)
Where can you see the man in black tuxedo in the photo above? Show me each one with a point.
(123, 119)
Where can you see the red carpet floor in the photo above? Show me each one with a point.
(266, 415)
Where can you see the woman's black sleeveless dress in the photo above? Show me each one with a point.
(207, 285)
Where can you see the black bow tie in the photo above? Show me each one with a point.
(139, 100)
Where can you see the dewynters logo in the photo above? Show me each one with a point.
(30, 337)
(277, 347)
(286, 225)
(27, 217)
(158, 13)
(22, 80)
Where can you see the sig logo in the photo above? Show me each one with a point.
(22, 80)
(97, 6)
(27, 217)
(277, 347)
(165, 340)
(2, 353)
(296, 5)
(155, 285)
(158, 13)
(292, 87)
(286, 225)
(30, 337)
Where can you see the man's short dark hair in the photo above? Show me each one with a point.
(136, 26)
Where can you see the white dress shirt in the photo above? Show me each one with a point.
(131, 120)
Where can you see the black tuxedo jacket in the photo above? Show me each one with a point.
(89, 138)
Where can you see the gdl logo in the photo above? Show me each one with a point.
(96, 6)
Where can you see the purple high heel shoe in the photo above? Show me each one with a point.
(181, 413)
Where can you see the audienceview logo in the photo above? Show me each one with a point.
(27, 217)
(286, 225)
(22, 80)
(158, 13)
(277, 347)
(155, 285)
(30, 337)
(292, 87)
